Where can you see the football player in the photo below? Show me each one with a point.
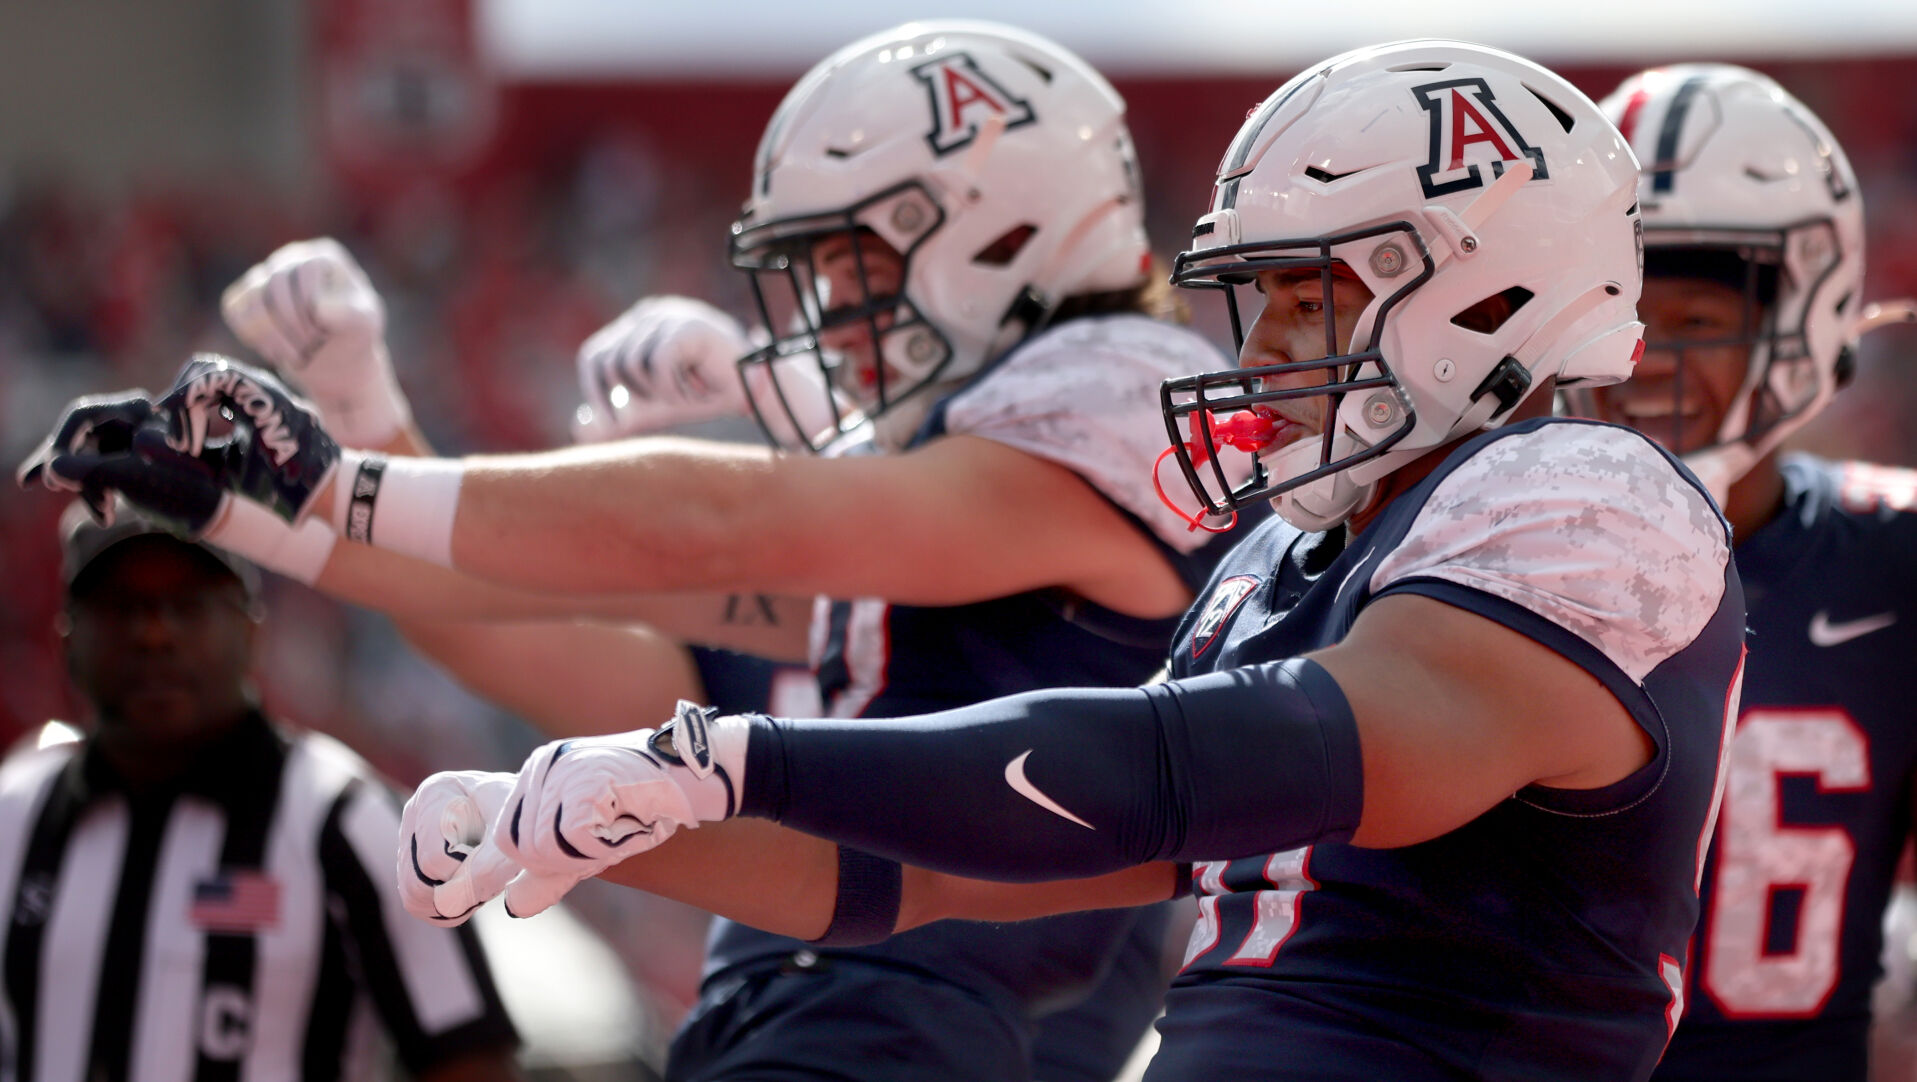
(1439, 752)
(1442, 762)
(1753, 300)
(946, 236)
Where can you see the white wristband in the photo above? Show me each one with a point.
(402, 505)
(250, 530)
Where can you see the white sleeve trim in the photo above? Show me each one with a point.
(1586, 525)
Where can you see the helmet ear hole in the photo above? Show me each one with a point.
(1006, 246)
(1493, 312)
(1846, 367)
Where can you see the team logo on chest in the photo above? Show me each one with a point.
(1223, 601)
(1468, 133)
(962, 98)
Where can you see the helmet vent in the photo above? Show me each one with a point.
(1006, 248)
(1421, 66)
(839, 153)
(1325, 176)
(1563, 118)
(1493, 312)
(1038, 69)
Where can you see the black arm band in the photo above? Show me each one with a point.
(365, 496)
(867, 907)
(1077, 781)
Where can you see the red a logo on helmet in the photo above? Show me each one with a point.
(962, 97)
(1469, 132)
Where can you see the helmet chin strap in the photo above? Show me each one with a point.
(1323, 503)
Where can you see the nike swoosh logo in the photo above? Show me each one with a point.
(1022, 785)
(1825, 633)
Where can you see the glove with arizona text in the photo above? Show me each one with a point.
(278, 454)
(311, 311)
(448, 866)
(580, 806)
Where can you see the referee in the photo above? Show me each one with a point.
(194, 892)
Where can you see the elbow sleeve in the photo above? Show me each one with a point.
(1076, 782)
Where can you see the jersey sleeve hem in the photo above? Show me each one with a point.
(1575, 649)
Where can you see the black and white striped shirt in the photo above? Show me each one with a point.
(241, 925)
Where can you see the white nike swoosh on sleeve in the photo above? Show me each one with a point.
(1825, 633)
(1022, 785)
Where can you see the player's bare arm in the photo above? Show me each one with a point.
(663, 515)
(790, 883)
(766, 625)
(649, 515)
(572, 679)
(1456, 712)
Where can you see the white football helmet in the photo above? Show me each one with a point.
(1736, 167)
(1442, 174)
(994, 161)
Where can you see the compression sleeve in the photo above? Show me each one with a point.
(1074, 782)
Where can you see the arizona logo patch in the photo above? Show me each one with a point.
(1223, 601)
(1469, 132)
(962, 97)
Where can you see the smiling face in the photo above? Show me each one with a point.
(1693, 367)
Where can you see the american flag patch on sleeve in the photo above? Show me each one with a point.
(239, 900)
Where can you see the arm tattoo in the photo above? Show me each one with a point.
(749, 609)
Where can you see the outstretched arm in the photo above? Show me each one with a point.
(1449, 713)
(664, 514)
(1424, 717)
(656, 514)
(412, 591)
(573, 679)
(779, 880)
(750, 870)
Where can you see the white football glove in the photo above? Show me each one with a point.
(670, 361)
(448, 866)
(310, 310)
(580, 806)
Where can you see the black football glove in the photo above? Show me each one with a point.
(91, 426)
(277, 455)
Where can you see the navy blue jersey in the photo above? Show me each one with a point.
(1544, 939)
(1819, 803)
(1083, 395)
